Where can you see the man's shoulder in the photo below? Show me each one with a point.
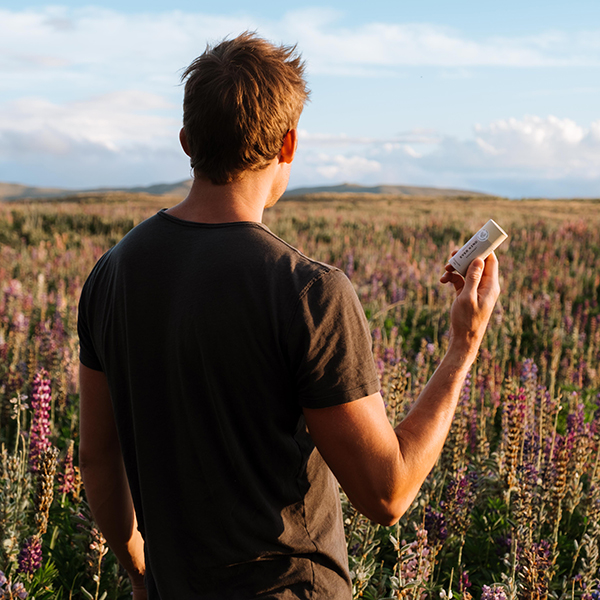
(283, 247)
(289, 258)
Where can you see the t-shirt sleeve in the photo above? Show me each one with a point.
(330, 344)
(87, 353)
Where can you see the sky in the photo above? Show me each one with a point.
(496, 97)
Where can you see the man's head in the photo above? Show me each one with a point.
(241, 98)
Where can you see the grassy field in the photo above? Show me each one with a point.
(511, 510)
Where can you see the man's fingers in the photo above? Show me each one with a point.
(473, 277)
(455, 278)
(490, 271)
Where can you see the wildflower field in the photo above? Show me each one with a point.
(512, 508)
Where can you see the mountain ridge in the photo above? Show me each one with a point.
(16, 191)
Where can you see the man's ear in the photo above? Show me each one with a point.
(288, 150)
(184, 142)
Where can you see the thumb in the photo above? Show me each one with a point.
(473, 277)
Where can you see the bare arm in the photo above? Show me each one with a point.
(380, 468)
(104, 477)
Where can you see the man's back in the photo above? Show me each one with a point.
(213, 339)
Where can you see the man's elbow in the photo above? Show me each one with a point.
(385, 512)
(88, 462)
(93, 459)
(389, 514)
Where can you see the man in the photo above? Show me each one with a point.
(214, 357)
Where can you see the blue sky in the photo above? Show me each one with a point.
(502, 98)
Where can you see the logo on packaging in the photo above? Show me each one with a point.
(483, 235)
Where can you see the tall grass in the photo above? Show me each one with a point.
(511, 508)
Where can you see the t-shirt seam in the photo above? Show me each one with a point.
(199, 225)
(328, 268)
(302, 294)
(316, 548)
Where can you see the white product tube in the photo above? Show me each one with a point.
(482, 244)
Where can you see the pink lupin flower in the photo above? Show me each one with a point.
(40, 424)
(67, 477)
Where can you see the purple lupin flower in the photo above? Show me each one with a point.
(435, 524)
(18, 591)
(493, 593)
(464, 582)
(30, 557)
(389, 356)
(459, 500)
(40, 424)
(465, 393)
(529, 371)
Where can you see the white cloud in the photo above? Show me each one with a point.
(114, 122)
(340, 167)
(411, 151)
(97, 48)
(422, 44)
(416, 136)
(551, 146)
(528, 156)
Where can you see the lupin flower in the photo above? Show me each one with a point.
(435, 524)
(464, 583)
(513, 419)
(459, 501)
(8, 592)
(389, 356)
(495, 592)
(465, 393)
(44, 492)
(40, 425)
(529, 371)
(415, 564)
(18, 591)
(95, 557)
(30, 557)
(535, 564)
(67, 478)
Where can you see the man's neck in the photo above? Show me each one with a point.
(241, 200)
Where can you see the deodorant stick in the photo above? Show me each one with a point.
(482, 244)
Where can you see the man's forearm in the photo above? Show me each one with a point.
(109, 497)
(104, 476)
(422, 433)
(380, 468)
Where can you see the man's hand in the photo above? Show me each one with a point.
(476, 295)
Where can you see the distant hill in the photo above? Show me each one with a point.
(396, 190)
(15, 191)
(180, 189)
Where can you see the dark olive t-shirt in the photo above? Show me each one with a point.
(213, 337)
